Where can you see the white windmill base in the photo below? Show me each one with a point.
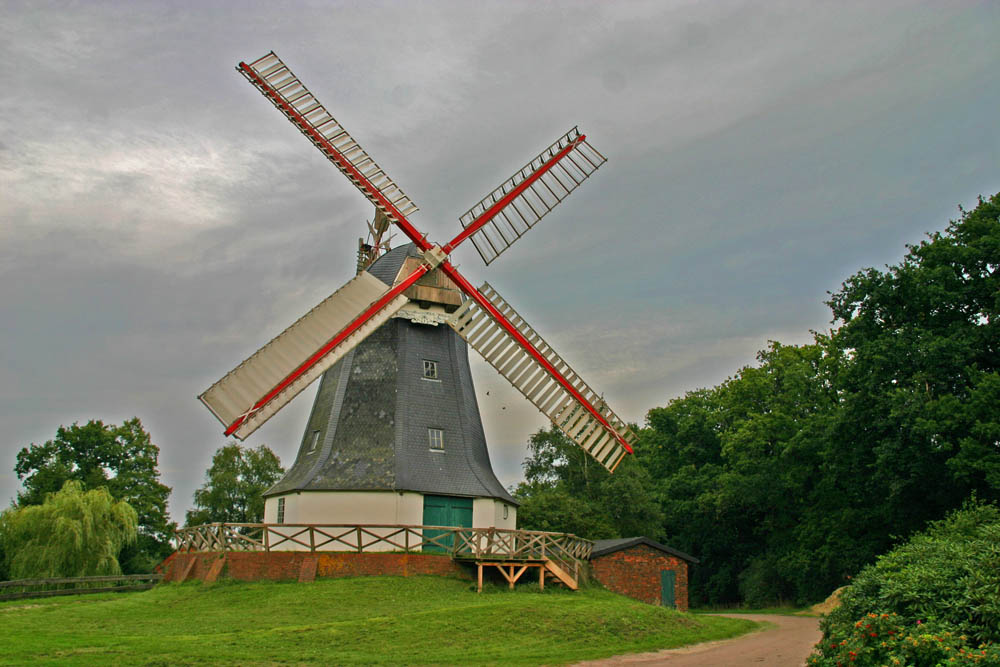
(380, 513)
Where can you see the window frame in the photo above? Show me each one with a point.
(439, 439)
(280, 518)
(432, 366)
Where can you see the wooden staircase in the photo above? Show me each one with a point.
(512, 570)
(562, 575)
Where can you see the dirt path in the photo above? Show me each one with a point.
(787, 644)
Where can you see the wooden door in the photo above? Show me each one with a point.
(445, 511)
(667, 580)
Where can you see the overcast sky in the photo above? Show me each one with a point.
(160, 220)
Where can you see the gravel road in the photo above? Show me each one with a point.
(787, 643)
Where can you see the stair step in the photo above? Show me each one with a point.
(182, 570)
(215, 570)
(562, 575)
(307, 571)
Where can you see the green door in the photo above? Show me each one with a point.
(445, 511)
(667, 579)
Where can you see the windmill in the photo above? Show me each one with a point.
(365, 340)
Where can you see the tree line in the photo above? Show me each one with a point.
(784, 480)
(92, 502)
(790, 476)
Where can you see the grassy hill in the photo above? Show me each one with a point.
(370, 620)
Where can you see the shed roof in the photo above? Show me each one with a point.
(605, 547)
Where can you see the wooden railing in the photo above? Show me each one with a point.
(39, 588)
(460, 543)
(485, 544)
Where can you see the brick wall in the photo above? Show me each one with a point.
(279, 565)
(635, 572)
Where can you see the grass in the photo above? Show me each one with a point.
(776, 611)
(369, 620)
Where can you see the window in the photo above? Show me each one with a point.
(436, 437)
(430, 369)
(315, 442)
(281, 510)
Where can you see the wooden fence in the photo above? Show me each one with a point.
(41, 588)
(459, 543)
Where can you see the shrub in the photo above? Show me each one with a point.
(883, 639)
(932, 600)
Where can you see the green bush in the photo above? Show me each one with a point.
(883, 639)
(933, 600)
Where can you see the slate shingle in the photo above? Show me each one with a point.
(373, 410)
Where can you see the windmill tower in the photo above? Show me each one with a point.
(395, 435)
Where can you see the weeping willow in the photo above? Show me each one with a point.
(74, 533)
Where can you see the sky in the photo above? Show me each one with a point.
(160, 220)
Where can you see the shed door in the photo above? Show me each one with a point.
(667, 580)
(445, 511)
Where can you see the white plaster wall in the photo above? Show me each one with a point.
(510, 522)
(368, 508)
(488, 513)
(350, 508)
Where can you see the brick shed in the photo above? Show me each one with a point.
(643, 569)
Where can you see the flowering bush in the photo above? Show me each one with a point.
(883, 639)
(930, 601)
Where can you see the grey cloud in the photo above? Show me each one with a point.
(159, 221)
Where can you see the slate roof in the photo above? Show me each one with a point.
(387, 266)
(368, 429)
(605, 547)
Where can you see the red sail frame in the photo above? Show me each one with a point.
(434, 258)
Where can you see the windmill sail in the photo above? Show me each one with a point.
(260, 386)
(560, 175)
(527, 375)
(273, 78)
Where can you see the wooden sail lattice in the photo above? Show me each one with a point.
(260, 386)
(292, 98)
(537, 384)
(237, 394)
(540, 197)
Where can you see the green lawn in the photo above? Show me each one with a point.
(368, 620)
(777, 611)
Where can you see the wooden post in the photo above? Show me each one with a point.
(541, 578)
(480, 577)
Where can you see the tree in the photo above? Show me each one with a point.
(565, 490)
(121, 459)
(73, 533)
(734, 467)
(234, 486)
(921, 389)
